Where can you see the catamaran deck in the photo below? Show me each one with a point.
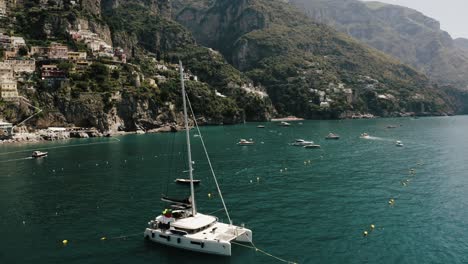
(205, 227)
(220, 232)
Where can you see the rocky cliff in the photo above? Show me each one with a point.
(461, 43)
(124, 98)
(401, 32)
(245, 60)
(308, 69)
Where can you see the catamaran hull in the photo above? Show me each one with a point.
(222, 248)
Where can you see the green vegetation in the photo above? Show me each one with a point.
(290, 55)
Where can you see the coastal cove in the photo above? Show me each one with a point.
(304, 205)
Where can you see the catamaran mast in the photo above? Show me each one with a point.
(187, 133)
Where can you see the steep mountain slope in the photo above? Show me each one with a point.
(308, 69)
(404, 33)
(120, 96)
(462, 43)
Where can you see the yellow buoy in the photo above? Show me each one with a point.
(372, 227)
(103, 238)
(365, 233)
(65, 242)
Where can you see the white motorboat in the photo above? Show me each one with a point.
(399, 143)
(364, 135)
(301, 143)
(286, 124)
(39, 154)
(312, 146)
(245, 142)
(260, 126)
(186, 181)
(185, 227)
(332, 136)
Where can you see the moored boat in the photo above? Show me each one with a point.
(285, 124)
(187, 181)
(301, 143)
(312, 146)
(399, 143)
(38, 154)
(260, 126)
(245, 142)
(364, 135)
(186, 228)
(332, 136)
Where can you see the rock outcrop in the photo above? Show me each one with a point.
(303, 64)
(401, 32)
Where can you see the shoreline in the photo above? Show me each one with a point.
(45, 135)
(60, 134)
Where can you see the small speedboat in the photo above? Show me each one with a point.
(245, 142)
(301, 143)
(399, 144)
(285, 124)
(391, 126)
(187, 181)
(38, 154)
(312, 146)
(364, 135)
(260, 126)
(332, 136)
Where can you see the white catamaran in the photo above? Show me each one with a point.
(185, 228)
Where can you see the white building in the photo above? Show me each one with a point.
(3, 8)
(219, 94)
(6, 129)
(17, 42)
(6, 71)
(22, 66)
(8, 89)
(324, 104)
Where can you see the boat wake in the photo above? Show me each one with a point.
(13, 160)
(379, 138)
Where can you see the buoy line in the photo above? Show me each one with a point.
(391, 202)
(59, 147)
(66, 241)
(263, 252)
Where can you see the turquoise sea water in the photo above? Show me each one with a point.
(305, 212)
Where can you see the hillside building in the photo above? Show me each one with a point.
(76, 56)
(3, 8)
(22, 66)
(6, 129)
(6, 72)
(8, 89)
(55, 51)
(51, 71)
(58, 52)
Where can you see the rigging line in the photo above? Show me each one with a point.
(59, 147)
(214, 212)
(208, 158)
